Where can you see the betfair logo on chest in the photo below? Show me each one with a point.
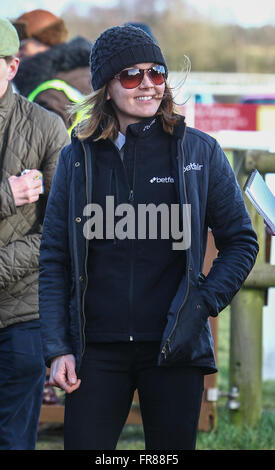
(193, 166)
(164, 179)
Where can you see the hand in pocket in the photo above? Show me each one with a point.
(191, 321)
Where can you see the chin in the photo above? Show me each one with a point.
(148, 113)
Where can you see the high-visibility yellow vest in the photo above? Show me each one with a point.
(72, 94)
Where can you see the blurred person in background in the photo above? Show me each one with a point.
(30, 139)
(121, 312)
(144, 26)
(53, 73)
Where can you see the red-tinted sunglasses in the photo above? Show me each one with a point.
(132, 78)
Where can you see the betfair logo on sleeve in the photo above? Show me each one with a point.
(193, 166)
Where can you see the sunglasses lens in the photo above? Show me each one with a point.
(131, 78)
(157, 74)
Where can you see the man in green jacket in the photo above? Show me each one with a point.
(30, 139)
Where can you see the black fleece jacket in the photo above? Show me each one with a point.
(141, 276)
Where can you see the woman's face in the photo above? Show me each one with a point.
(133, 105)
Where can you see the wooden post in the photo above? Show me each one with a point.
(263, 161)
(246, 330)
(262, 276)
(208, 414)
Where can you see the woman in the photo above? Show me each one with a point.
(124, 306)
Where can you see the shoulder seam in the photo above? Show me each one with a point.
(201, 135)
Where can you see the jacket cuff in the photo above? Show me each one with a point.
(49, 359)
(7, 202)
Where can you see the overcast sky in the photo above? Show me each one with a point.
(244, 12)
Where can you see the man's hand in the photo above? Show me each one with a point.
(63, 373)
(26, 188)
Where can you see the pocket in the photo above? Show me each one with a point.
(205, 345)
(191, 322)
(201, 279)
(195, 312)
(26, 351)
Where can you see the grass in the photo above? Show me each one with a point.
(230, 437)
(226, 437)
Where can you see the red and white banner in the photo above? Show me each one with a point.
(217, 116)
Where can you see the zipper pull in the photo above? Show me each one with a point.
(163, 351)
(131, 195)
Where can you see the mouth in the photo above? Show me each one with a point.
(144, 98)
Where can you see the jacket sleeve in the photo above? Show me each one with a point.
(7, 204)
(56, 139)
(234, 236)
(18, 259)
(54, 277)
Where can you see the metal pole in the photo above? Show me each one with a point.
(246, 331)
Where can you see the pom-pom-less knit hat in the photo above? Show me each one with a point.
(120, 47)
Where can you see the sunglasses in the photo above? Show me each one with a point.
(132, 78)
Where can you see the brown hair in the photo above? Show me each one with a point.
(101, 121)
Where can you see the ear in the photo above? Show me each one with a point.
(108, 96)
(13, 67)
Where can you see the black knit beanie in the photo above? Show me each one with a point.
(120, 47)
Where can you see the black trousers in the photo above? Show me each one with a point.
(170, 399)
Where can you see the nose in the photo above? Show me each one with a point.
(146, 82)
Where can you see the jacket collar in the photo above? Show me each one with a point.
(6, 103)
(147, 127)
(153, 125)
(179, 129)
(144, 128)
